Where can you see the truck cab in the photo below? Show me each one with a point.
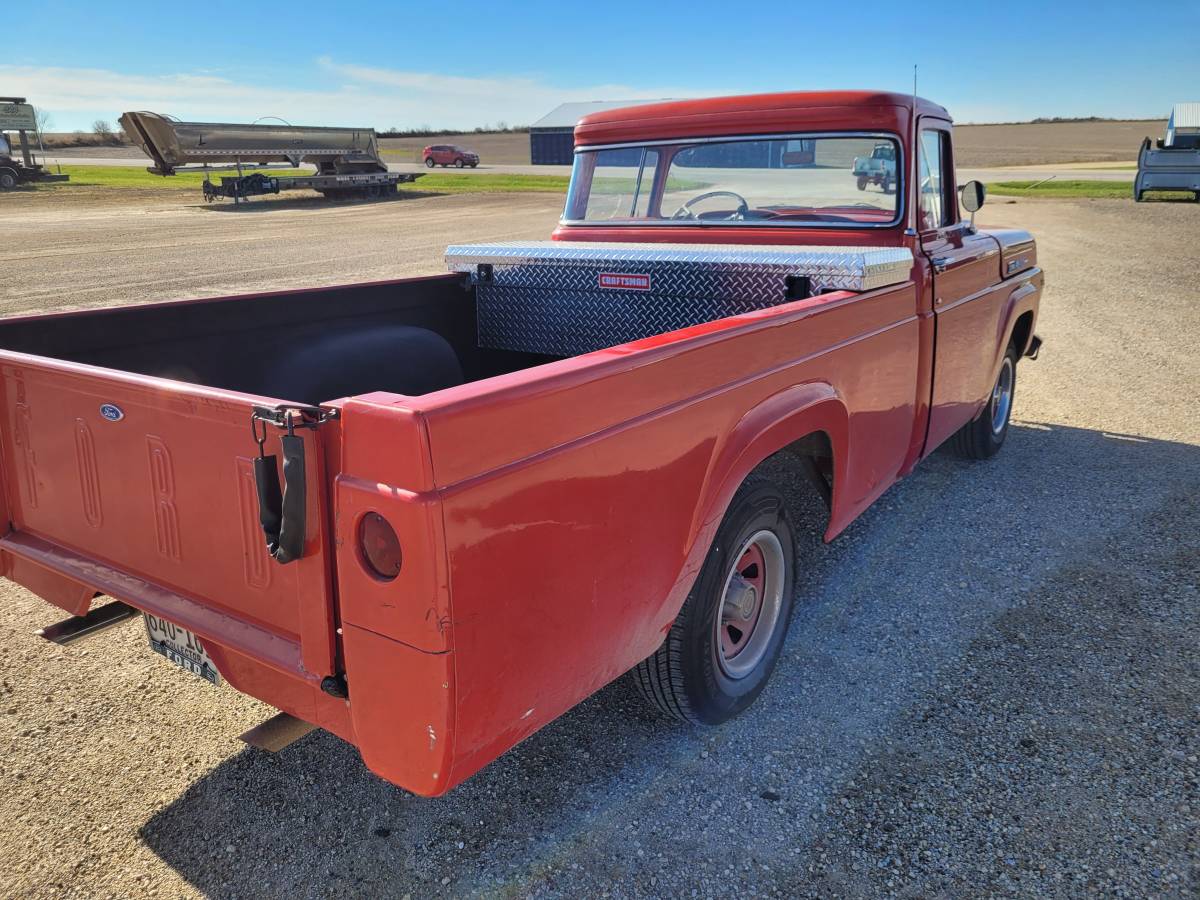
(432, 514)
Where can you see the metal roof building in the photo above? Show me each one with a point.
(1185, 119)
(551, 140)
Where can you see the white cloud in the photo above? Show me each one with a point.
(359, 95)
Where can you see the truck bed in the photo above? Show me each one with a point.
(306, 346)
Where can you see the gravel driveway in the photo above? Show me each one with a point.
(992, 683)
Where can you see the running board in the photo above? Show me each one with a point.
(277, 732)
(96, 620)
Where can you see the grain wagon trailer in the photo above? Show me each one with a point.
(347, 159)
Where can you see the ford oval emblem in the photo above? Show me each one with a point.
(112, 412)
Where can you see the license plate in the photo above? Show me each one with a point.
(181, 647)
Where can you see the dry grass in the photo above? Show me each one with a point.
(493, 149)
(982, 146)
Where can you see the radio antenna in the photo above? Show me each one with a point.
(915, 151)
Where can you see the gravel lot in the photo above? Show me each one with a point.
(991, 687)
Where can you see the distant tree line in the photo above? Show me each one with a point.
(427, 131)
(1055, 120)
(1066, 120)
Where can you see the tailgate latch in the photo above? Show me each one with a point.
(282, 514)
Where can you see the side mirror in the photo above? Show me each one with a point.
(973, 194)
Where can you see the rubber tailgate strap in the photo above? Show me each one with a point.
(283, 515)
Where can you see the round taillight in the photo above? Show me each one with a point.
(379, 545)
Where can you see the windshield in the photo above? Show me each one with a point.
(840, 180)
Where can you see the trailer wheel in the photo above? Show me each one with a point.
(8, 179)
(723, 645)
(983, 437)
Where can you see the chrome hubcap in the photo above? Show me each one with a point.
(1002, 397)
(750, 604)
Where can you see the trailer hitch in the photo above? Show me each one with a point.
(283, 515)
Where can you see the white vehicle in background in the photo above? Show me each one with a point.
(879, 168)
(1173, 163)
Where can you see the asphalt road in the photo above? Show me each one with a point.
(990, 686)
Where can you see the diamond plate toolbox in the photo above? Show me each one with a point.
(564, 298)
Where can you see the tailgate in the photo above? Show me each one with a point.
(144, 489)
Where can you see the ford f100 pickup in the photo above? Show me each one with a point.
(431, 515)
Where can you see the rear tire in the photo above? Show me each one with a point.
(8, 179)
(983, 437)
(723, 645)
(429, 163)
(458, 163)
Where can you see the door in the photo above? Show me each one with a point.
(967, 296)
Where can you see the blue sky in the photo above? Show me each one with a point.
(464, 64)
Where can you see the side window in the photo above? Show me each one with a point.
(622, 183)
(935, 211)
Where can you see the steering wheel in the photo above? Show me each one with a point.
(685, 211)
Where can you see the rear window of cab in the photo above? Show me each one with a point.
(848, 180)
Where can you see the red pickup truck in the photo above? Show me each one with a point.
(503, 487)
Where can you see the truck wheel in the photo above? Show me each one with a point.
(429, 163)
(983, 437)
(8, 179)
(886, 185)
(862, 182)
(723, 646)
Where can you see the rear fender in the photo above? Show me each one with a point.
(769, 427)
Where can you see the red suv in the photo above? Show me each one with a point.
(449, 155)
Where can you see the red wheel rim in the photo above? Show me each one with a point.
(751, 603)
(743, 602)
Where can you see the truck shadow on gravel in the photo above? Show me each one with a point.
(890, 618)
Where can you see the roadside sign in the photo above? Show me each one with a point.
(17, 117)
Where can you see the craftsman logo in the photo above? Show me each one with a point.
(112, 412)
(615, 281)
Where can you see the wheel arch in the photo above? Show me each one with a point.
(805, 419)
(1020, 316)
(802, 420)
